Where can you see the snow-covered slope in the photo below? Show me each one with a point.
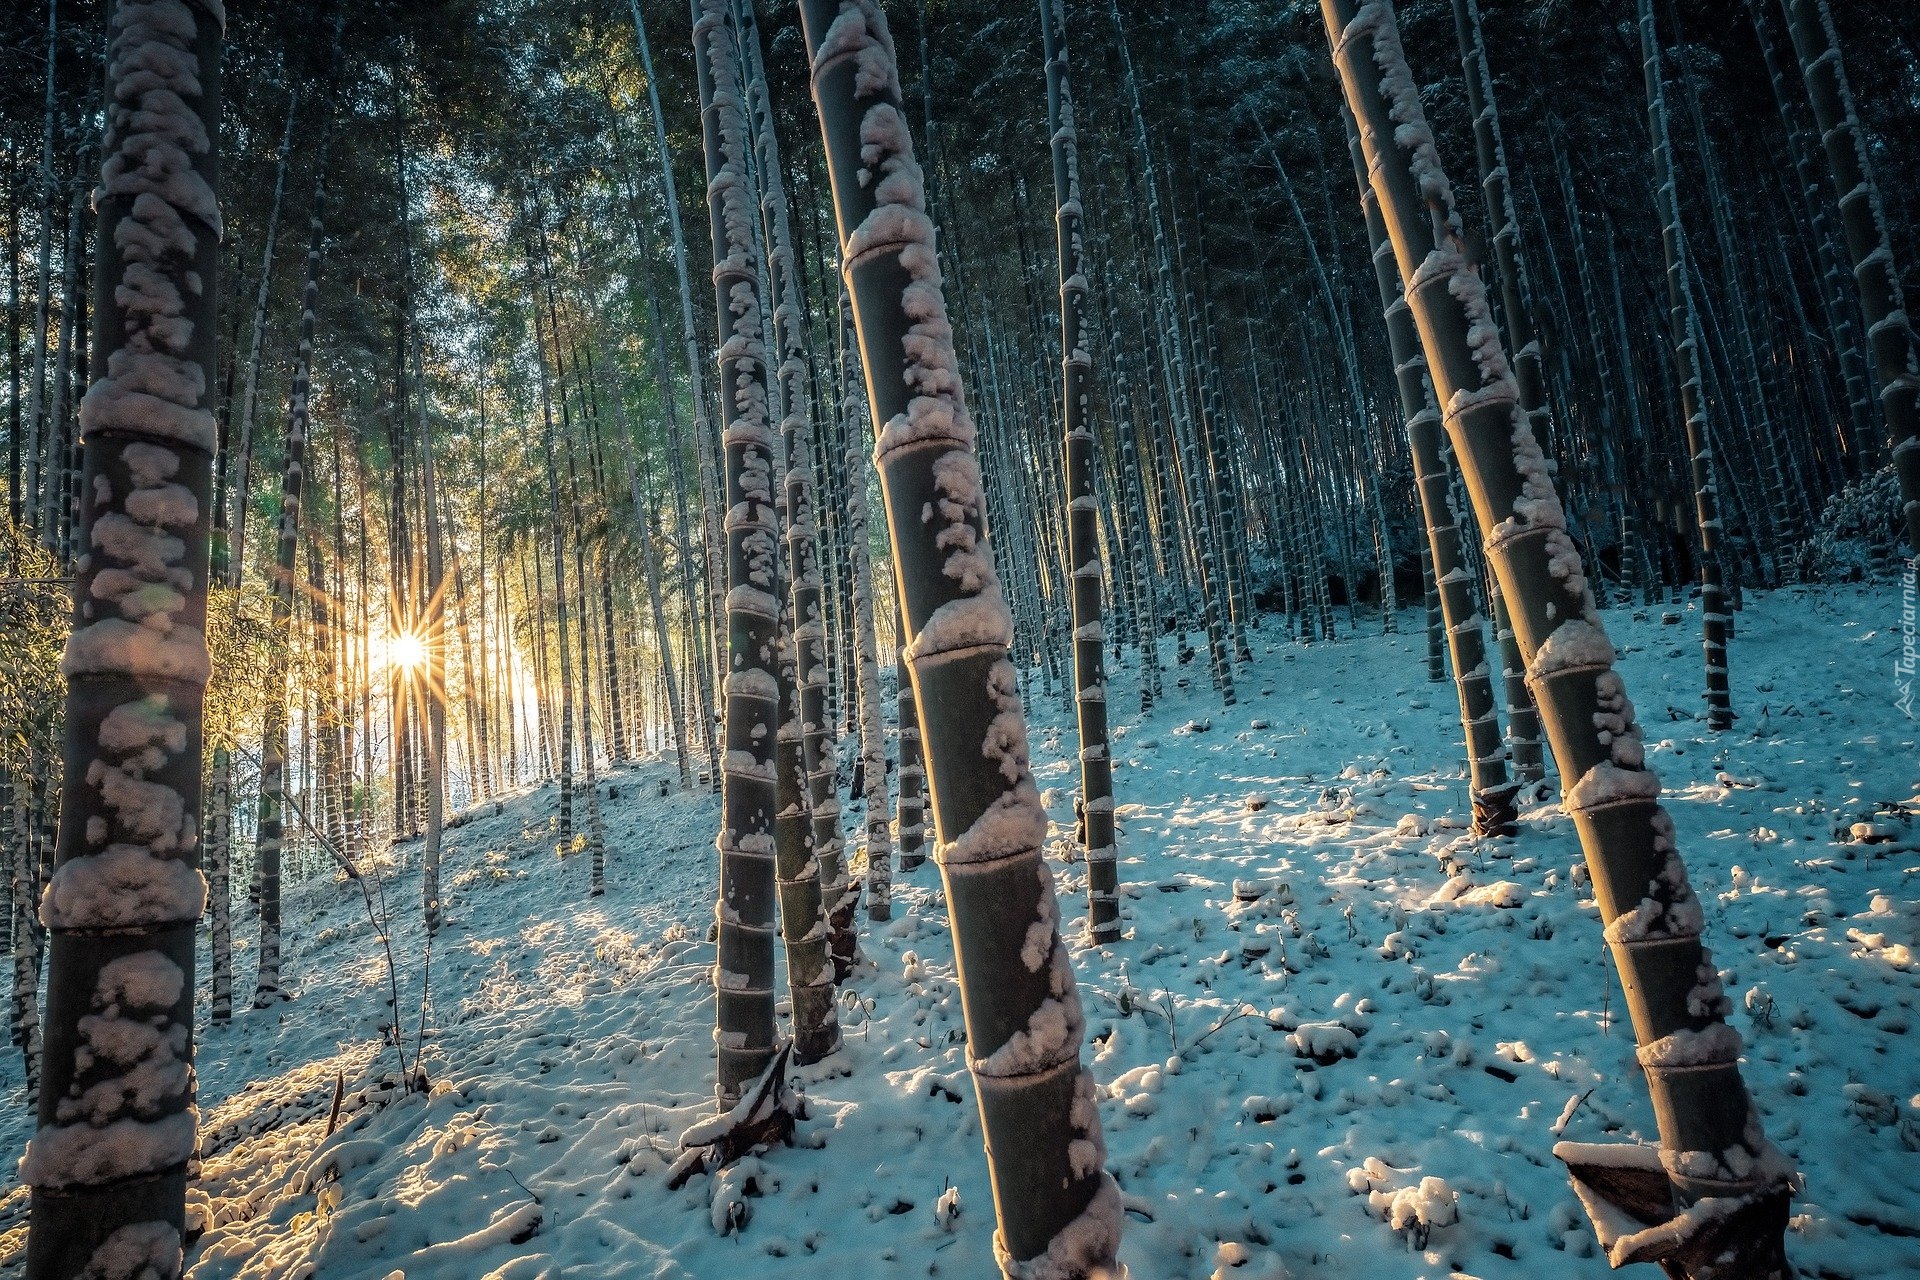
(1360, 1072)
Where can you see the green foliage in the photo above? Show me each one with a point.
(1861, 533)
(240, 640)
(35, 616)
(36, 610)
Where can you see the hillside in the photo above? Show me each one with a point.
(1284, 1079)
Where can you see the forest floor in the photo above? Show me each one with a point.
(1457, 994)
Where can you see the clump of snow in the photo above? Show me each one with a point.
(1323, 1041)
(727, 1199)
(1575, 643)
(138, 1251)
(946, 1210)
(1084, 1247)
(1715, 1043)
(1375, 19)
(1016, 822)
(143, 980)
(899, 222)
(1043, 935)
(1418, 1209)
(1501, 893)
(1052, 1035)
(860, 29)
(970, 622)
(1608, 783)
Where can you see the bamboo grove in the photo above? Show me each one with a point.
(1042, 342)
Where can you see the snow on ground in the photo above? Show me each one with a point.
(1359, 1073)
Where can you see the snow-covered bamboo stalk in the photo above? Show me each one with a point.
(563, 742)
(1086, 572)
(589, 766)
(323, 639)
(219, 839)
(706, 446)
(433, 679)
(1136, 522)
(567, 529)
(1689, 360)
(43, 276)
(840, 893)
(116, 1121)
(1523, 718)
(1436, 626)
(866, 644)
(613, 679)
(743, 973)
(809, 876)
(1058, 1211)
(1492, 790)
(487, 760)
(29, 940)
(911, 824)
(54, 492)
(1503, 221)
(270, 837)
(1715, 1184)
(1890, 332)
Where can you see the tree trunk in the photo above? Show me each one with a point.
(1053, 1199)
(29, 505)
(1837, 304)
(54, 486)
(1689, 359)
(839, 892)
(563, 745)
(219, 886)
(1503, 224)
(706, 448)
(1523, 718)
(273, 740)
(596, 827)
(1086, 573)
(109, 1175)
(1492, 791)
(743, 973)
(866, 646)
(1712, 1150)
(29, 940)
(14, 388)
(433, 682)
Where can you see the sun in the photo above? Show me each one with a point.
(406, 650)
